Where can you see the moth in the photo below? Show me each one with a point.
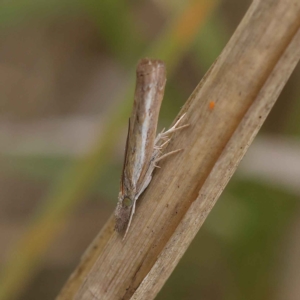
(143, 149)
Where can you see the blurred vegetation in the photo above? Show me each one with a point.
(238, 252)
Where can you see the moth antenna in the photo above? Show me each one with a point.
(130, 219)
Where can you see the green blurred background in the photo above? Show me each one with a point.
(66, 89)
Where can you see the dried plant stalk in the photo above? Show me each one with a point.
(244, 83)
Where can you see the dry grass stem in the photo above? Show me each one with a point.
(244, 84)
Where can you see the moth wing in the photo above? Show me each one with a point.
(125, 161)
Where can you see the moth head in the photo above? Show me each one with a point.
(123, 212)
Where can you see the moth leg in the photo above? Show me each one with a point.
(165, 155)
(164, 135)
(174, 128)
(160, 147)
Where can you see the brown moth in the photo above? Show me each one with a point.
(143, 150)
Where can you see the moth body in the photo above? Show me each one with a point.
(142, 146)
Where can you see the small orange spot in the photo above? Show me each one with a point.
(212, 105)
